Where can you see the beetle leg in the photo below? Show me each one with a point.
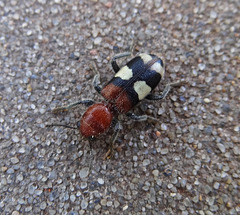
(96, 81)
(161, 96)
(115, 66)
(110, 151)
(165, 91)
(61, 125)
(70, 106)
(139, 118)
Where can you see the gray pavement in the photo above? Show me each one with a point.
(187, 162)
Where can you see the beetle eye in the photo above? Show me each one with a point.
(92, 138)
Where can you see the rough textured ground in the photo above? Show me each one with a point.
(186, 163)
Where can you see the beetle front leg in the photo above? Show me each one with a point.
(117, 128)
(70, 106)
(96, 81)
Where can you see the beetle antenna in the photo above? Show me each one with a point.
(62, 125)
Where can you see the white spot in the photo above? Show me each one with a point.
(145, 57)
(158, 68)
(142, 89)
(125, 73)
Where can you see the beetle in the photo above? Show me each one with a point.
(131, 84)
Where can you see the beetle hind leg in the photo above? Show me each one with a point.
(166, 90)
(140, 117)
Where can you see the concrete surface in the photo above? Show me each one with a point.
(185, 163)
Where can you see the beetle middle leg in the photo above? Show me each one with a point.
(115, 66)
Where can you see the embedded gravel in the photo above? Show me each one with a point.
(186, 162)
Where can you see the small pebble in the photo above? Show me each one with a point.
(84, 172)
(116, 204)
(236, 150)
(43, 205)
(100, 181)
(155, 172)
(15, 139)
(221, 147)
(213, 14)
(72, 198)
(84, 204)
(103, 202)
(125, 207)
(146, 162)
(216, 185)
(207, 100)
(201, 66)
(189, 153)
(164, 151)
(14, 160)
(97, 41)
(164, 127)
